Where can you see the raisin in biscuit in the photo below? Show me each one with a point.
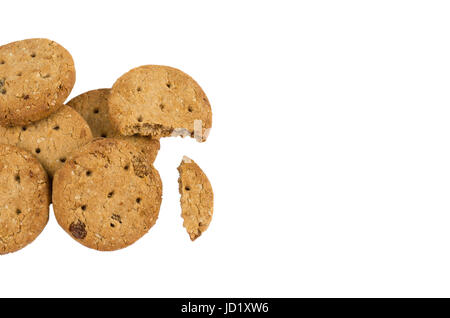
(159, 101)
(93, 106)
(51, 139)
(197, 198)
(107, 195)
(24, 198)
(36, 76)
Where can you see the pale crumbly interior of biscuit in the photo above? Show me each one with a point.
(158, 130)
(197, 198)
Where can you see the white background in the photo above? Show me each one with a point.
(329, 154)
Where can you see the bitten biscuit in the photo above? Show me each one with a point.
(93, 106)
(159, 101)
(24, 198)
(107, 195)
(36, 76)
(51, 139)
(197, 198)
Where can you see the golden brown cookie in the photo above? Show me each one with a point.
(197, 198)
(159, 101)
(36, 76)
(51, 139)
(93, 106)
(107, 195)
(24, 198)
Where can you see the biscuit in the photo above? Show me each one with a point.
(51, 139)
(159, 101)
(107, 195)
(93, 106)
(24, 198)
(197, 198)
(36, 76)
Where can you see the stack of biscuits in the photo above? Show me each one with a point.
(92, 158)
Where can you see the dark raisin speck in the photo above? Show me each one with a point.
(78, 230)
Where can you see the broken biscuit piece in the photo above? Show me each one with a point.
(197, 198)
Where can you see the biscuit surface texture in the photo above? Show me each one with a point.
(36, 76)
(197, 198)
(51, 139)
(24, 198)
(107, 195)
(159, 101)
(93, 106)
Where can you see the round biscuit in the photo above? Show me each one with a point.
(24, 198)
(36, 76)
(107, 195)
